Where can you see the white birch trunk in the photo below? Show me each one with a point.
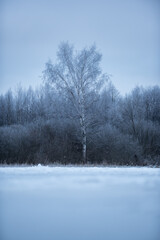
(83, 121)
(84, 138)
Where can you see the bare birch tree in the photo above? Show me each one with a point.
(78, 75)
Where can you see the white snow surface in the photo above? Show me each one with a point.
(79, 203)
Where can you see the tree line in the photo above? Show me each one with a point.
(78, 116)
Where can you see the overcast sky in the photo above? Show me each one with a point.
(126, 32)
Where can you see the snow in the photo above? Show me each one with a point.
(79, 203)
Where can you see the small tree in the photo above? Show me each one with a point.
(78, 76)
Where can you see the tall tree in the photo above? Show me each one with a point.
(78, 76)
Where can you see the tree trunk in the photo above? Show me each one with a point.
(84, 146)
(84, 138)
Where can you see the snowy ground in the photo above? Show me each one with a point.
(79, 203)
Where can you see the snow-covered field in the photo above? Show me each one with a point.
(79, 203)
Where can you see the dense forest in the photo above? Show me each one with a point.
(77, 116)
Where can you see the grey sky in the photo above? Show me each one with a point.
(126, 32)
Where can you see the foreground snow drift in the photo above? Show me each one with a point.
(76, 203)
